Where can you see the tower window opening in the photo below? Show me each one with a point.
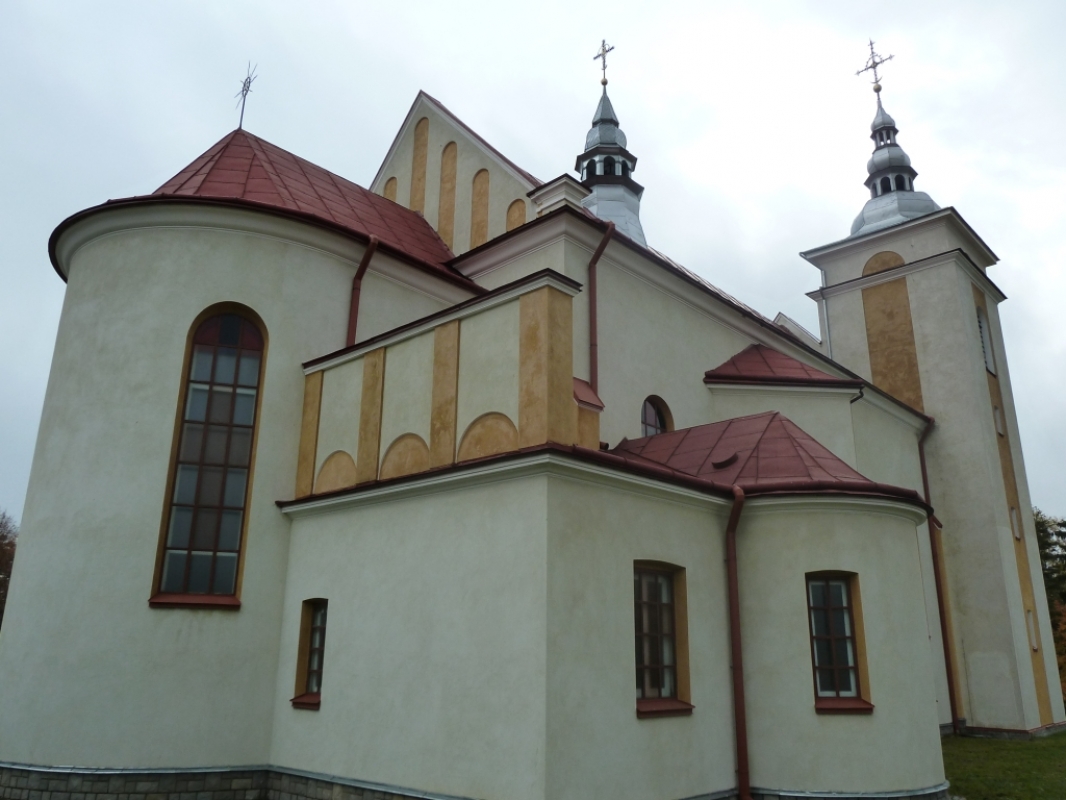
(886, 185)
(625, 169)
(901, 183)
(608, 166)
(590, 168)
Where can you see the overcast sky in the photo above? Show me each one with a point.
(749, 122)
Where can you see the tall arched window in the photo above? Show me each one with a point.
(209, 490)
(608, 166)
(655, 417)
(886, 185)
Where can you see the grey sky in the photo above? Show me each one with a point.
(749, 123)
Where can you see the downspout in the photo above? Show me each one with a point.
(949, 665)
(357, 285)
(740, 717)
(594, 356)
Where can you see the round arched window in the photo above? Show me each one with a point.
(655, 417)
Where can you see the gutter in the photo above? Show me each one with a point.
(594, 355)
(933, 523)
(357, 287)
(740, 718)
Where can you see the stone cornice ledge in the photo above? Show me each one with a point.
(504, 468)
(789, 794)
(824, 501)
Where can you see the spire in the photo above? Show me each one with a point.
(890, 175)
(606, 167)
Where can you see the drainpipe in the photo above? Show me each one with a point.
(740, 717)
(357, 285)
(949, 665)
(594, 357)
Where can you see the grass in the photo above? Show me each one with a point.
(995, 769)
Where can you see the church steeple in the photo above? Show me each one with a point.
(890, 174)
(606, 168)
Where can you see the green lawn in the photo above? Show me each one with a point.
(993, 769)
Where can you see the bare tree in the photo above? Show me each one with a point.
(8, 533)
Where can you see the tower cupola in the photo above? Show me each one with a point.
(890, 178)
(606, 169)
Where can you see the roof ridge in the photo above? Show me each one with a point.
(755, 447)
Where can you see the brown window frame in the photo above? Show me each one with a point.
(655, 417)
(650, 618)
(223, 447)
(308, 691)
(837, 702)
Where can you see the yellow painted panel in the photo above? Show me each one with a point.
(516, 214)
(445, 394)
(418, 166)
(405, 456)
(370, 415)
(546, 368)
(338, 472)
(879, 262)
(305, 463)
(479, 209)
(390, 189)
(488, 435)
(890, 338)
(446, 205)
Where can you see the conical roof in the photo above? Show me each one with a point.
(758, 363)
(244, 167)
(882, 118)
(605, 128)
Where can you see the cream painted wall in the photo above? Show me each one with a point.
(847, 333)
(488, 366)
(123, 684)
(387, 302)
(597, 745)
(338, 421)
(407, 400)
(824, 414)
(653, 343)
(434, 671)
(886, 447)
(471, 156)
(778, 543)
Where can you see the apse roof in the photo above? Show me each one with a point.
(763, 453)
(244, 167)
(758, 363)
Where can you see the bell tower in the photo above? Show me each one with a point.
(907, 303)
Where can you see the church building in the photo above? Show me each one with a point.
(454, 487)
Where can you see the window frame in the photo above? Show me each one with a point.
(680, 704)
(860, 702)
(662, 413)
(303, 698)
(159, 598)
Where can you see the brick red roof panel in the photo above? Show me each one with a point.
(243, 166)
(761, 364)
(764, 450)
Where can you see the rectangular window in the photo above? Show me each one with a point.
(311, 655)
(836, 643)
(661, 638)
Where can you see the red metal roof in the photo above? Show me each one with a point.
(762, 453)
(761, 364)
(242, 166)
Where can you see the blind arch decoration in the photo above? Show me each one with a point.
(206, 506)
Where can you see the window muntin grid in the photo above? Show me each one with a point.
(208, 496)
(316, 646)
(833, 648)
(656, 636)
(652, 419)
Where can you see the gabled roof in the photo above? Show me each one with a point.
(244, 167)
(422, 96)
(758, 363)
(763, 454)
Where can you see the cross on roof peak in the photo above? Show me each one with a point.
(602, 56)
(246, 88)
(872, 63)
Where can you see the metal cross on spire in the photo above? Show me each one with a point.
(602, 56)
(872, 63)
(246, 87)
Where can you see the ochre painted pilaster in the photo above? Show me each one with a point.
(305, 462)
(446, 203)
(890, 339)
(546, 369)
(445, 392)
(418, 166)
(588, 427)
(370, 415)
(1021, 557)
(479, 209)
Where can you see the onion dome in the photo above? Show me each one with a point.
(891, 180)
